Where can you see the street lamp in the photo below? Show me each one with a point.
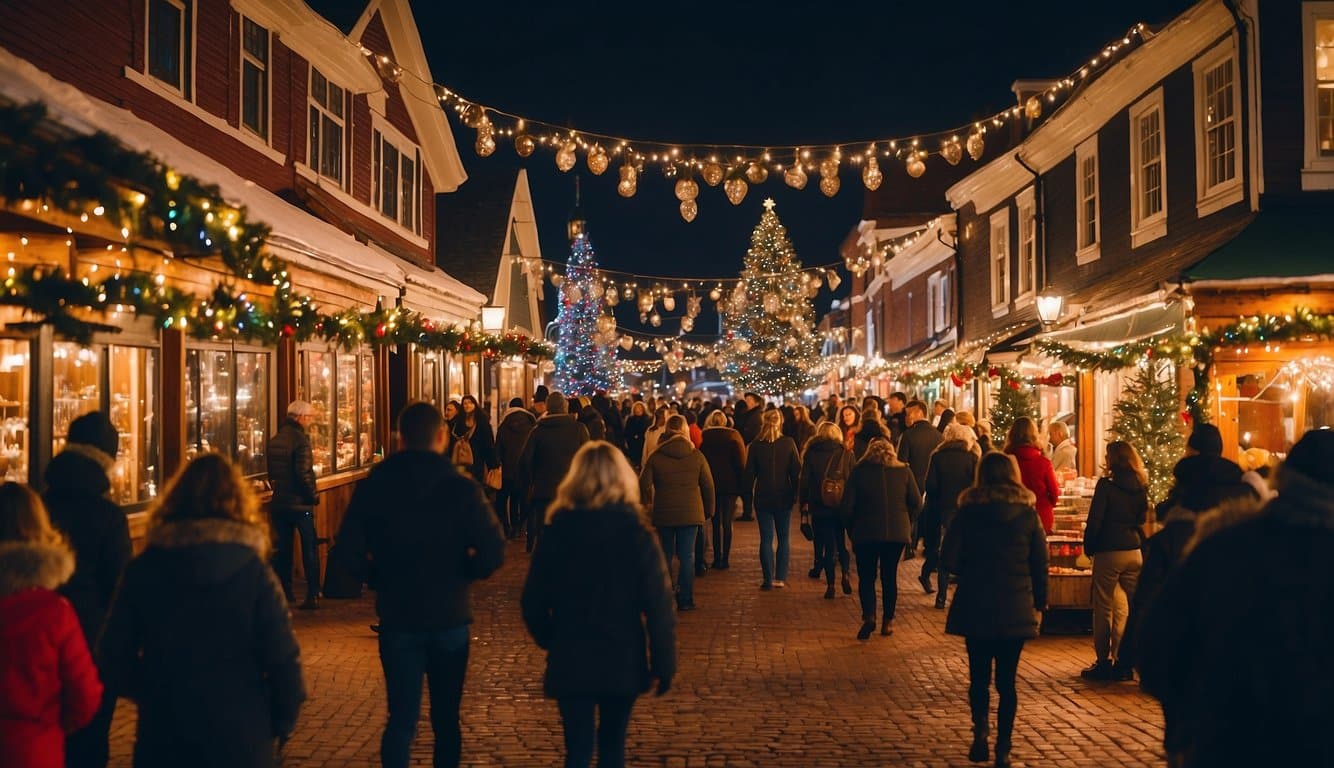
(493, 319)
(1050, 305)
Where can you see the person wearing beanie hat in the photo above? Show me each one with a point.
(1236, 645)
(78, 499)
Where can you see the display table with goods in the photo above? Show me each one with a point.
(1069, 569)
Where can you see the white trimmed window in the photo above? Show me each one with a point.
(255, 80)
(1218, 129)
(1089, 223)
(1000, 262)
(938, 302)
(170, 44)
(1028, 245)
(1148, 171)
(328, 127)
(870, 333)
(396, 177)
(1318, 81)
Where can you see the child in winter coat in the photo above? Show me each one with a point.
(48, 684)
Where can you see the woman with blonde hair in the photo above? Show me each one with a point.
(234, 687)
(1034, 468)
(997, 548)
(826, 459)
(879, 504)
(677, 486)
(951, 471)
(48, 684)
(772, 472)
(595, 623)
(1113, 538)
(654, 434)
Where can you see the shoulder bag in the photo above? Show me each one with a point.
(831, 489)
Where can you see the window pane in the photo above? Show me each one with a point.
(252, 411)
(409, 185)
(165, 21)
(335, 103)
(331, 150)
(366, 418)
(255, 40)
(347, 412)
(314, 142)
(192, 403)
(317, 380)
(215, 395)
(76, 385)
(318, 88)
(1324, 85)
(134, 389)
(255, 99)
(389, 180)
(15, 399)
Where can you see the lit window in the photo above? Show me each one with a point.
(255, 78)
(1086, 186)
(1217, 129)
(1324, 86)
(327, 126)
(171, 43)
(1148, 170)
(1028, 243)
(1000, 261)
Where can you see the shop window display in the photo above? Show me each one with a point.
(76, 385)
(316, 388)
(341, 388)
(15, 402)
(133, 377)
(227, 405)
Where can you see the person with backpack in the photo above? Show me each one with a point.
(474, 444)
(770, 478)
(824, 470)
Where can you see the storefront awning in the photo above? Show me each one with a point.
(1153, 319)
(1011, 347)
(1286, 242)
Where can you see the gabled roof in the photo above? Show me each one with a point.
(316, 39)
(439, 152)
(470, 228)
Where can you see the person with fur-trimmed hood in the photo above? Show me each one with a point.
(199, 636)
(78, 497)
(48, 684)
(951, 471)
(1237, 644)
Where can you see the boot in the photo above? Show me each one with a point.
(829, 592)
(847, 584)
(887, 628)
(1002, 751)
(978, 752)
(868, 626)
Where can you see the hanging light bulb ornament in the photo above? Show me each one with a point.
(523, 143)
(627, 343)
(716, 294)
(645, 301)
(597, 160)
(757, 173)
(736, 187)
(829, 165)
(872, 176)
(687, 324)
(712, 173)
(914, 165)
(833, 279)
(565, 156)
(689, 210)
(606, 324)
(655, 319)
(952, 152)
(687, 189)
(486, 138)
(975, 145)
(629, 181)
(669, 303)
(1033, 108)
(795, 176)
(613, 298)
(628, 293)
(829, 185)
(557, 278)
(473, 115)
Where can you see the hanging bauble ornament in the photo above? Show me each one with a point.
(643, 318)
(669, 303)
(829, 166)
(597, 160)
(669, 171)
(829, 186)
(815, 279)
(795, 176)
(523, 143)
(557, 278)
(687, 189)
(1014, 384)
(628, 293)
(689, 210)
(597, 289)
(660, 346)
(952, 152)
(687, 324)
(627, 343)
(872, 176)
(474, 115)
(693, 306)
(655, 319)
(629, 181)
(975, 145)
(712, 173)
(486, 138)
(1033, 108)
(613, 297)
(736, 188)
(645, 301)
(833, 279)
(606, 324)
(956, 379)
(757, 173)
(771, 304)
(742, 345)
(914, 165)
(573, 293)
(565, 156)
(716, 293)
(771, 356)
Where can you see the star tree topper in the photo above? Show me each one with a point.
(769, 204)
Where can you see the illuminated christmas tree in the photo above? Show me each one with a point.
(771, 346)
(1148, 416)
(585, 363)
(1014, 400)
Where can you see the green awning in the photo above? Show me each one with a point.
(1153, 319)
(1284, 241)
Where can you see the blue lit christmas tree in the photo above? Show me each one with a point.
(584, 362)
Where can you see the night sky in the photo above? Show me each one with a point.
(740, 73)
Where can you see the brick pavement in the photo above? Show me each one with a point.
(766, 679)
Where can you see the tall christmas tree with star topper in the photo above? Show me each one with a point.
(585, 360)
(769, 318)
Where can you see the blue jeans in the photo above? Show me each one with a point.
(287, 523)
(440, 655)
(774, 521)
(680, 539)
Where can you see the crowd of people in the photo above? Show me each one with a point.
(1236, 656)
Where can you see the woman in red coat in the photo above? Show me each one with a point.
(48, 684)
(1036, 470)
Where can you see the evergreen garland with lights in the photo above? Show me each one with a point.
(770, 319)
(1013, 401)
(584, 363)
(1148, 416)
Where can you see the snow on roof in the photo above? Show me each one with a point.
(303, 239)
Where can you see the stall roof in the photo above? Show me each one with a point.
(1286, 240)
(1152, 319)
(470, 227)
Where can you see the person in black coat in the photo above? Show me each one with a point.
(879, 504)
(473, 425)
(870, 429)
(952, 469)
(726, 454)
(997, 547)
(915, 447)
(636, 428)
(198, 635)
(546, 458)
(770, 478)
(292, 506)
(428, 533)
(77, 496)
(515, 426)
(746, 420)
(826, 457)
(1237, 644)
(587, 415)
(611, 417)
(596, 623)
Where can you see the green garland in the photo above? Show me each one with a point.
(94, 175)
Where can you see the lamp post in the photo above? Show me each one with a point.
(1050, 305)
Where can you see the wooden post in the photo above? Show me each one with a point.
(1086, 438)
(173, 402)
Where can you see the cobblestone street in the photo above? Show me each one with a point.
(766, 679)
